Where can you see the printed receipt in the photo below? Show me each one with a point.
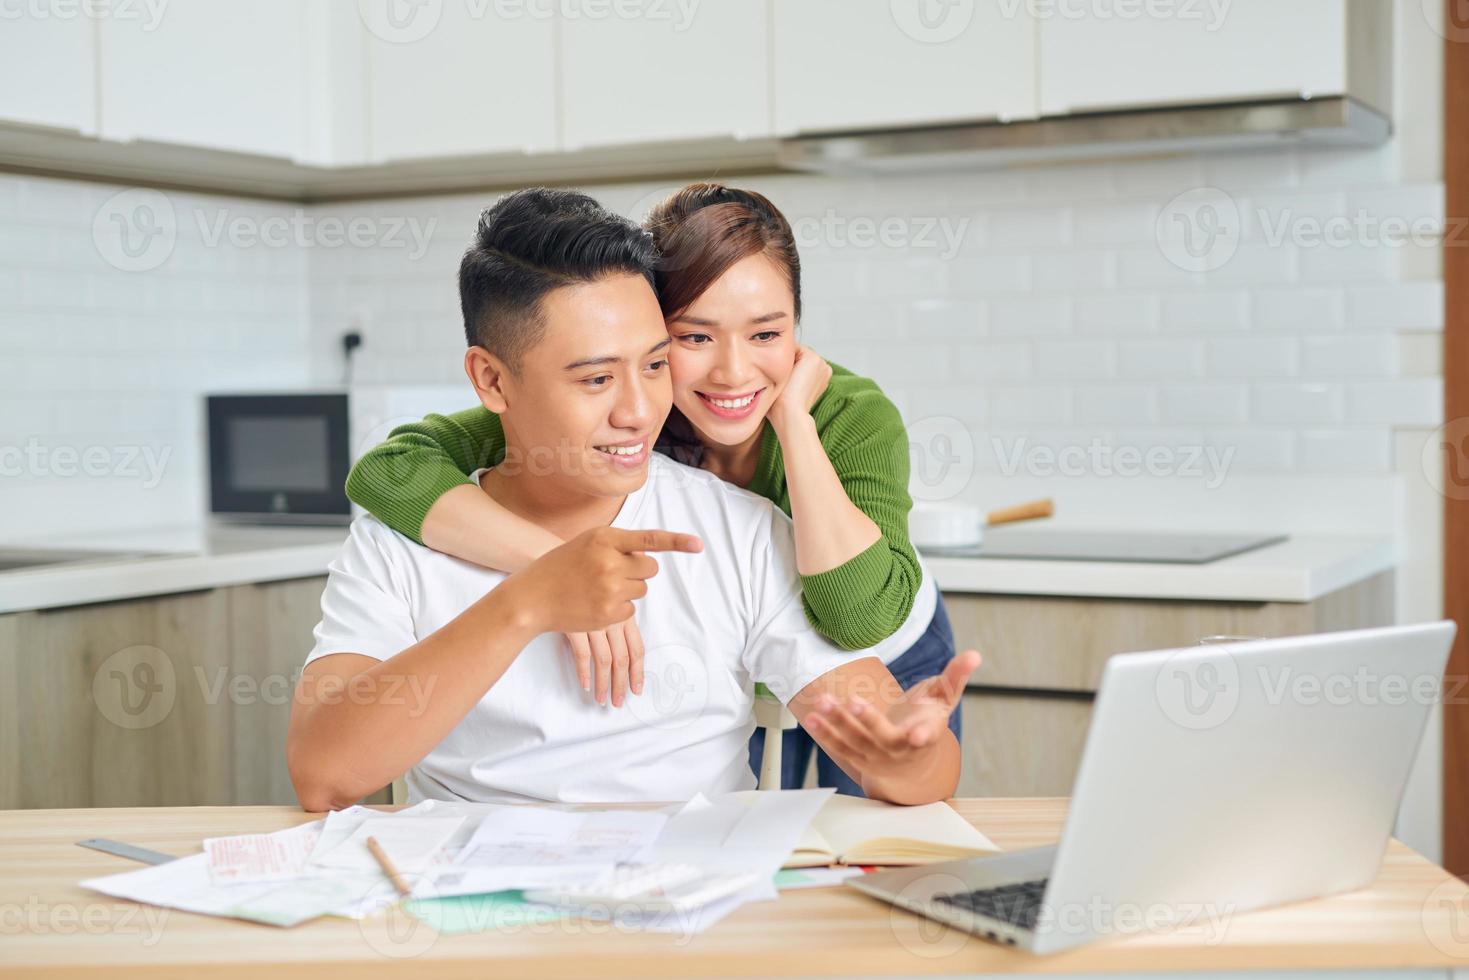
(261, 857)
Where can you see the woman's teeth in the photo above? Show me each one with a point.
(731, 402)
(621, 450)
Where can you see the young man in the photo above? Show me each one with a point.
(454, 673)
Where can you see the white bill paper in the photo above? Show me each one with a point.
(412, 843)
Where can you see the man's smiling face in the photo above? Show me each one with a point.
(592, 393)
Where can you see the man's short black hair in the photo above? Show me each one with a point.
(534, 241)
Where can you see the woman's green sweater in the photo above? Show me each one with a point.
(857, 604)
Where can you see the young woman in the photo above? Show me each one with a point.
(750, 405)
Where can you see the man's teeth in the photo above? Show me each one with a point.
(731, 402)
(621, 450)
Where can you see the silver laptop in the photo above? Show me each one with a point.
(1215, 779)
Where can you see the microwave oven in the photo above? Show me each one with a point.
(279, 458)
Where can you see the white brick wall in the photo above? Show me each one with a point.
(1044, 299)
(102, 367)
(1030, 301)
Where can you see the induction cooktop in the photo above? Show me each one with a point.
(1175, 547)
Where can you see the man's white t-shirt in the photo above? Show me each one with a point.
(712, 623)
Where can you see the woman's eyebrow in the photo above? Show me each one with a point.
(696, 321)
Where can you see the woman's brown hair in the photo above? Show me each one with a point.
(703, 229)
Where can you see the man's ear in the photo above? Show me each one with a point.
(488, 374)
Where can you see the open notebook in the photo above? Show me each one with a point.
(851, 830)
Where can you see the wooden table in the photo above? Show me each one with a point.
(1413, 916)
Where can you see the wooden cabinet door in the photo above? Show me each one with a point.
(177, 700)
(228, 76)
(270, 636)
(107, 705)
(1021, 745)
(863, 64)
(66, 95)
(668, 71)
(1095, 56)
(458, 79)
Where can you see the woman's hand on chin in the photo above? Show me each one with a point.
(807, 383)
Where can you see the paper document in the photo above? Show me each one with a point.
(412, 843)
(741, 832)
(538, 847)
(261, 857)
(186, 884)
(536, 836)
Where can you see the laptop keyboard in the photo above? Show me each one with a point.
(1018, 904)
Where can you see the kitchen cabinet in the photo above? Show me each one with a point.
(1027, 707)
(461, 78)
(1017, 744)
(176, 700)
(227, 76)
(66, 97)
(862, 64)
(271, 627)
(1100, 56)
(679, 71)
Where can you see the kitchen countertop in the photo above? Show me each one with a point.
(188, 558)
(1300, 569)
(180, 559)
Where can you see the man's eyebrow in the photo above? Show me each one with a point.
(613, 358)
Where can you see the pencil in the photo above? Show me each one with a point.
(387, 866)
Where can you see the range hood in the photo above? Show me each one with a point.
(1336, 121)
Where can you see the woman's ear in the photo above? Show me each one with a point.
(488, 374)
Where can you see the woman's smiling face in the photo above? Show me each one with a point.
(733, 350)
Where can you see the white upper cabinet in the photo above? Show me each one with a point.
(459, 77)
(664, 70)
(1184, 53)
(48, 70)
(228, 76)
(859, 64)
